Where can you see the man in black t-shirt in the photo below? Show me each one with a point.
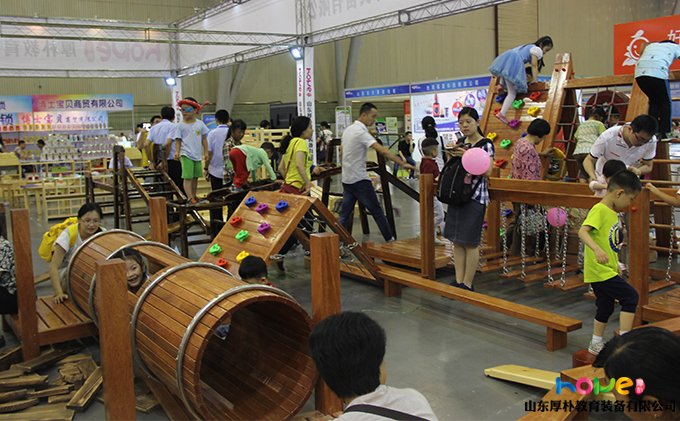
(405, 148)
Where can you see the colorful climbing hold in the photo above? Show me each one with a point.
(242, 255)
(501, 97)
(235, 221)
(535, 95)
(492, 136)
(513, 123)
(242, 235)
(223, 263)
(505, 143)
(533, 111)
(500, 163)
(251, 201)
(215, 249)
(264, 227)
(281, 206)
(262, 208)
(517, 104)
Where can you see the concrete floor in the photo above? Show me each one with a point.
(435, 345)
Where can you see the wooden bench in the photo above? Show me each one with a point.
(56, 322)
(557, 325)
(39, 321)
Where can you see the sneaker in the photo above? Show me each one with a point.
(595, 348)
(454, 284)
(502, 118)
(465, 287)
(438, 242)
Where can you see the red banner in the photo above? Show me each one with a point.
(630, 38)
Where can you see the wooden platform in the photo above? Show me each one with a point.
(557, 325)
(662, 306)
(57, 322)
(407, 253)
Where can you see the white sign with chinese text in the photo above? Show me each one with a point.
(48, 54)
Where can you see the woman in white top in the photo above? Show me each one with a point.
(89, 223)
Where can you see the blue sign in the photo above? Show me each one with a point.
(381, 91)
(451, 85)
(209, 120)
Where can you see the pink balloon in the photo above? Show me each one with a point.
(476, 161)
(557, 217)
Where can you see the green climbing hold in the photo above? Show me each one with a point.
(215, 249)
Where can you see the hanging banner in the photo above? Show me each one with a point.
(16, 122)
(309, 96)
(70, 120)
(16, 104)
(300, 86)
(82, 55)
(121, 102)
(630, 39)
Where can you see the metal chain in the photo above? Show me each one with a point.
(504, 227)
(671, 244)
(547, 248)
(523, 228)
(537, 250)
(563, 276)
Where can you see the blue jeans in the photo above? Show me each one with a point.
(364, 192)
(410, 161)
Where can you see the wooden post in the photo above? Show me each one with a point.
(158, 216)
(556, 96)
(114, 339)
(427, 228)
(325, 258)
(639, 250)
(26, 300)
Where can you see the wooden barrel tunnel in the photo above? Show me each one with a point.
(227, 349)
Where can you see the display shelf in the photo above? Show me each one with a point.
(62, 197)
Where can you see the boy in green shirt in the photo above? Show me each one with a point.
(602, 234)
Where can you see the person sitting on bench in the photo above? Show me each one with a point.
(348, 350)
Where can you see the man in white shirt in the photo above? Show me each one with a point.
(634, 144)
(160, 136)
(356, 182)
(348, 350)
(215, 164)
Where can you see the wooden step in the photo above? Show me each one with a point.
(512, 261)
(570, 283)
(529, 268)
(556, 273)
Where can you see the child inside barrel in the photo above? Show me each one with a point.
(253, 270)
(136, 267)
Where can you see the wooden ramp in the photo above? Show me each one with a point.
(57, 322)
(662, 306)
(557, 326)
(408, 253)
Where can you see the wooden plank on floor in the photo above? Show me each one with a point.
(530, 314)
(524, 375)
(52, 412)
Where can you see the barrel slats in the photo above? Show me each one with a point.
(284, 346)
(247, 391)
